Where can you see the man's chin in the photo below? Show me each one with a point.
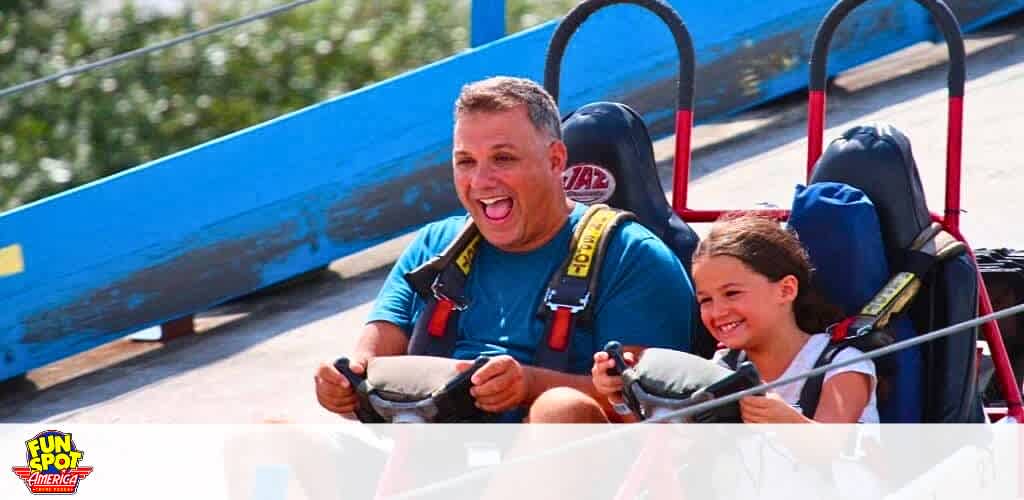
(500, 237)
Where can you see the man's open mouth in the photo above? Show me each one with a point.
(496, 208)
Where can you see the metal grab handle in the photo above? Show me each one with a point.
(942, 16)
(578, 15)
(950, 28)
(362, 413)
(684, 89)
(614, 350)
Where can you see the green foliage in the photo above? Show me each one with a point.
(87, 127)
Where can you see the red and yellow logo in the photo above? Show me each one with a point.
(54, 464)
(588, 183)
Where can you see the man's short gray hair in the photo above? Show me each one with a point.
(502, 93)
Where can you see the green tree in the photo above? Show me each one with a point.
(84, 128)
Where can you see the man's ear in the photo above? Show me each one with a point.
(789, 287)
(558, 155)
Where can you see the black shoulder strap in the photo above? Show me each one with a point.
(572, 289)
(441, 282)
(931, 246)
(733, 358)
(867, 329)
(810, 395)
(460, 250)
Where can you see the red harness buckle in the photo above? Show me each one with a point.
(842, 329)
(439, 320)
(558, 337)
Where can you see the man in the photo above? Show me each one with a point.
(508, 160)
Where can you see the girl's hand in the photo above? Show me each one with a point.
(609, 386)
(770, 409)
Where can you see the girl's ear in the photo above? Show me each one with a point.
(789, 287)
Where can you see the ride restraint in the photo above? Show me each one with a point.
(866, 330)
(567, 302)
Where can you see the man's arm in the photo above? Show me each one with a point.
(380, 338)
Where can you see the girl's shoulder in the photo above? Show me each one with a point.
(821, 340)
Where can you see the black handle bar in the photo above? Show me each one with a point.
(578, 15)
(363, 413)
(614, 350)
(940, 13)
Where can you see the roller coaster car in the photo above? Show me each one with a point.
(611, 160)
(612, 139)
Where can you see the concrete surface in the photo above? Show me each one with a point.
(255, 358)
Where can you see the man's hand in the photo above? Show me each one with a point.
(770, 409)
(333, 390)
(609, 386)
(500, 385)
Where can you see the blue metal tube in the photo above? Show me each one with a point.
(487, 21)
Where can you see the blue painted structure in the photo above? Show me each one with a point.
(186, 232)
(487, 21)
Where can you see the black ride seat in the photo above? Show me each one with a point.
(613, 137)
(877, 159)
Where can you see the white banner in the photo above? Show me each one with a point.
(278, 462)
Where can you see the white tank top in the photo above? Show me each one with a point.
(804, 361)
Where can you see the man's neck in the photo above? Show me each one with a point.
(558, 217)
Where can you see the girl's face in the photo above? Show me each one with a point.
(739, 306)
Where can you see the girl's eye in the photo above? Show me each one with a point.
(732, 293)
(703, 301)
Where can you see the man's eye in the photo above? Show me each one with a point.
(703, 301)
(732, 293)
(465, 162)
(504, 158)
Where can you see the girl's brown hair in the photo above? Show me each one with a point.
(773, 252)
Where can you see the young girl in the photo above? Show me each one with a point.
(752, 280)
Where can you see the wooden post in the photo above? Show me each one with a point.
(178, 328)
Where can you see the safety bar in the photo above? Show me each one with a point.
(684, 91)
(950, 29)
(994, 337)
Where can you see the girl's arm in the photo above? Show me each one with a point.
(843, 398)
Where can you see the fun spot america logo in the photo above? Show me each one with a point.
(54, 464)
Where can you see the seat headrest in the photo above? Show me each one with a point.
(611, 160)
(877, 159)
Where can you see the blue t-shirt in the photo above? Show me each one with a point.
(644, 296)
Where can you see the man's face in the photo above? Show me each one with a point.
(508, 177)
